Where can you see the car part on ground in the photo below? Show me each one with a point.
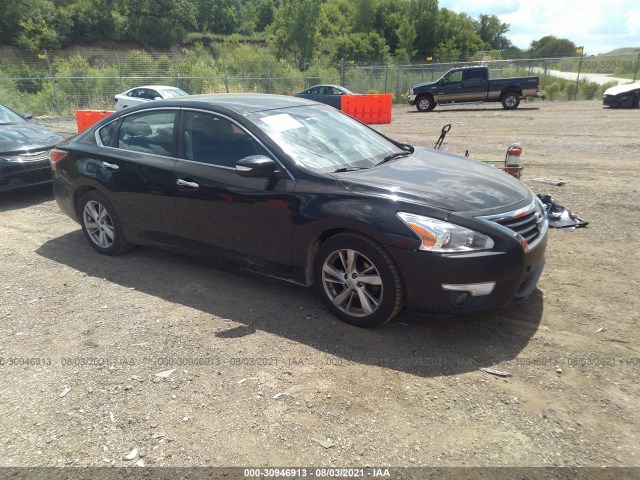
(300, 191)
(559, 216)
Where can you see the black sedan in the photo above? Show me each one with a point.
(329, 94)
(24, 151)
(300, 191)
(625, 96)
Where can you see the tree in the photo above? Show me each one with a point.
(425, 14)
(491, 30)
(394, 21)
(295, 30)
(32, 25)
(218, 16)
(364, 13)
(456, 36)
(364, 47)
(336, 18)
(155, 22)
(89, 20)
(551, 46)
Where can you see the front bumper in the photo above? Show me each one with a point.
(412, 99)
(428, 278)
(618, 101)
(15, 175)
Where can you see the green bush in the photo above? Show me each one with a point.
(552, 90)
(589, 90)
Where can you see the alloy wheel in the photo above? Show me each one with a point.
(352, 282)
(99, 224)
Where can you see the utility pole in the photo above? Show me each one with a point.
(53, 83)
(579, 50)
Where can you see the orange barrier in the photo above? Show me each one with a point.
(86, 118)
(374, 108)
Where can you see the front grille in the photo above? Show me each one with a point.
(29, 157)
(528, 223)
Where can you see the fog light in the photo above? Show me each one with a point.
(462, 298)
(473, 289)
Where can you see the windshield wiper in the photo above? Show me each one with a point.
(393, 156)
(349, 169)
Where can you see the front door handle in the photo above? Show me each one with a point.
(110, 166)
(187, 185)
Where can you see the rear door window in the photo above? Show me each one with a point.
(148, 132)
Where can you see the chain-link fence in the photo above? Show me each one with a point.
(58, 83)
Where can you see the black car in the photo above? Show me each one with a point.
(622, 96)
(329, 94)
(24, 151)
(300, 191)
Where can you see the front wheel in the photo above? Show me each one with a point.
(510, 101)
(357, 280)
(101, 225)
(425, 103)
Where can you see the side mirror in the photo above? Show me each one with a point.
(157, 98)
(28, 116)
(255, 166)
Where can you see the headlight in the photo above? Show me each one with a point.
(445, 237)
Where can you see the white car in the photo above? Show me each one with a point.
(138, 95)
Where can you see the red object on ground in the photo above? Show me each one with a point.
(86, 118)
(375, 108)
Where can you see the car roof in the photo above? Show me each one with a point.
(157, 87)
(238, 102)
(324, 85)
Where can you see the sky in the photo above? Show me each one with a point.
(598, 26)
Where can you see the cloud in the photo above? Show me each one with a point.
(598, 26)
(474, 8)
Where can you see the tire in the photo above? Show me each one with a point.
(340, 268)
(510, 100)
(101, 225)
(636, 101)
(425, 103)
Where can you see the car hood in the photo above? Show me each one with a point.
(622, 89)
(440, 180)
(427, 84)
(26, 136)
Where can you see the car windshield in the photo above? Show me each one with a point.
(174, 92)
(322, 139)
(9, 116)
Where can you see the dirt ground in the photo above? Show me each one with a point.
(200, 365)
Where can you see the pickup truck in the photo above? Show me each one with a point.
(472, 85)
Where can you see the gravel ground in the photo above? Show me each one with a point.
(181, 363)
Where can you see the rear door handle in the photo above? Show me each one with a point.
(187, 185)
(110, 166)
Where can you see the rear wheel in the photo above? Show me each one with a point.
(510, 100)
(636, 101)
(425, 103)
(101, 225)
(357, 280)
